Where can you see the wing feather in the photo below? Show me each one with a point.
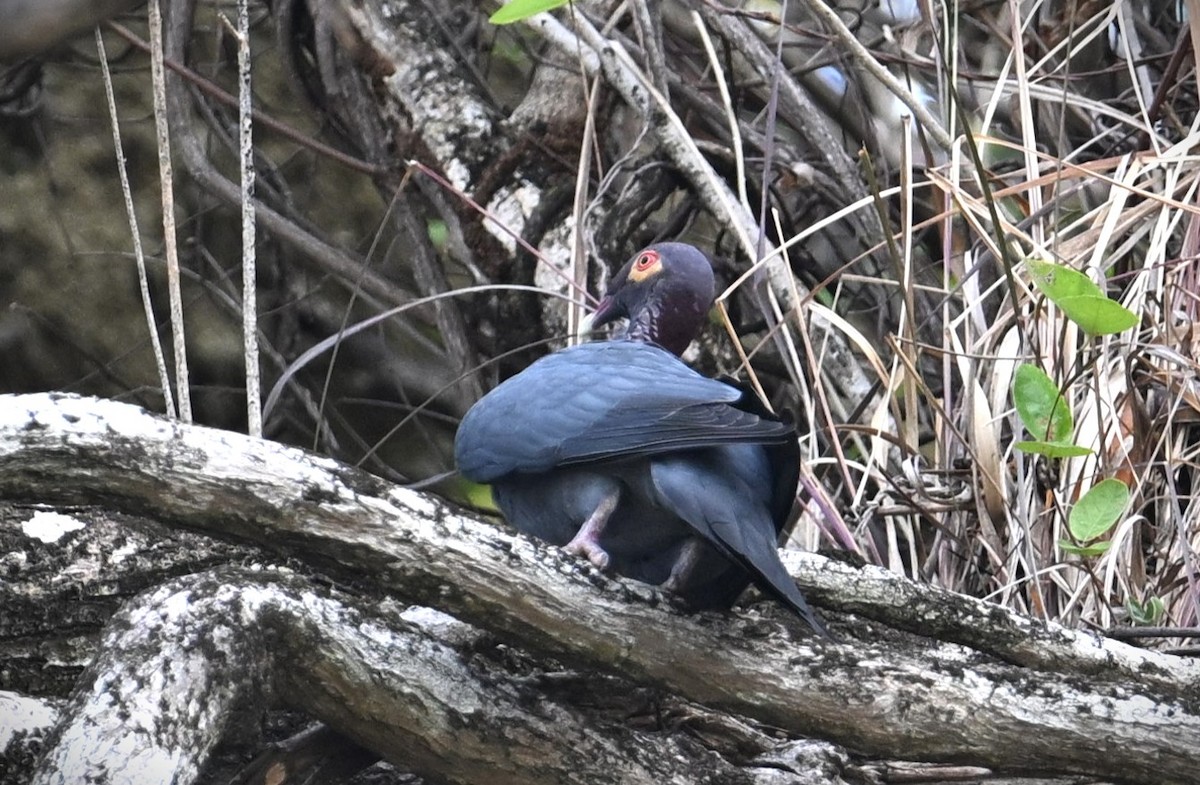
(602, 401)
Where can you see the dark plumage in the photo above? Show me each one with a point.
(619, 452)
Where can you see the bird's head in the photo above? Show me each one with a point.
(665, 291)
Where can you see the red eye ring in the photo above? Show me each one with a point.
(645, 261)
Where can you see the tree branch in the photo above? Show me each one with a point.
(878, 691)
(186, 661)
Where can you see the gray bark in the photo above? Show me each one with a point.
(313, 662)
(986, 698)
(182, 665)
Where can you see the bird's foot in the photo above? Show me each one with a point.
(683, 571)
(586, 541)
(588, 548)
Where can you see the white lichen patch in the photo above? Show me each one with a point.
(554, 273)
(164, 606)
(123, 552)
(253, 599)
(457, 172)
(87, 421)
(436, 624)
(222, 454)
(19, 713)
(512, 207)
(13, 560)
(141, 763)
(50, 526)
(235, 457)
(416, 504)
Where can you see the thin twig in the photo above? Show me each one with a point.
(249, 266)
(830, 17)
(160, 361)
(575, 314)
(210, 88)
(166, 181)
(769, 133)
(333, 341)
(735, 128)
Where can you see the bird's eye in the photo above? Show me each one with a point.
(646, 264)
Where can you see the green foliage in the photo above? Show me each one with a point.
(472, 494)
(1058, 282)
(438, 233)
(510, 50)
(1098, 509)
(1150, 612)
(479, 496)
(1053, 449)
(1093, 516)
(517, 10)
(1098, 315)
(1042, 409)
(1080, 299)
(1093, 549)
(1044, 413)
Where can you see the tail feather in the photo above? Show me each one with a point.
(761, 561)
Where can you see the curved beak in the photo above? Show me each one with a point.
(601, 316)
(586, 326)
(608, 310)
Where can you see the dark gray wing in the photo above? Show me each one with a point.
(602, 401)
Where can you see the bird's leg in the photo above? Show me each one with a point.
(586, 541)
(684, 568)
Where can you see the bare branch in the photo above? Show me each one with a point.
(183, 396)
(181, 664)
(959, 705)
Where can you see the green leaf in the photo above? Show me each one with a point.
(438, 233)
(1080, 298)
(1097, 510)
(479, 496)
(1097, 315)
(1096, 549)
(1053, 449)
(1148, 613)
(1042, 410)
(516, 10)
(1058, 282)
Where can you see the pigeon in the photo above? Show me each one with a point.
(620, 453)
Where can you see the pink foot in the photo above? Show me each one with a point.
(586, 541)
(589, 549)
